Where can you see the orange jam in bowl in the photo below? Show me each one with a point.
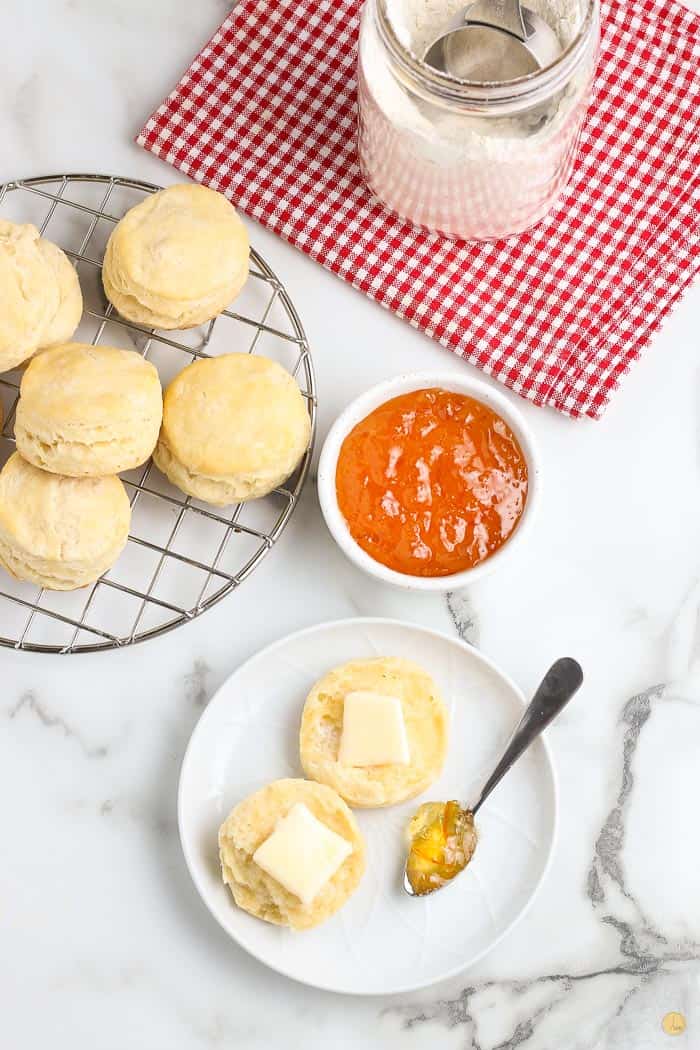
(431, 483)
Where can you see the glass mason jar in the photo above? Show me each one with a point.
(469, 160)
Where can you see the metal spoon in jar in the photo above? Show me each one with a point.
(494, 41)
(443, 837)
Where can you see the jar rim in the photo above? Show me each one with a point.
(447, 87)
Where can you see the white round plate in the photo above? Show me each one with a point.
(381, 941)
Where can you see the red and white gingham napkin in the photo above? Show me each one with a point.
(266, 114)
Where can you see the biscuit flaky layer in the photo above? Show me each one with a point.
(60, 533)
(40, 298)
(177, 259)
(425, 718)
(234, 428)
(88, 411)
(253, 820)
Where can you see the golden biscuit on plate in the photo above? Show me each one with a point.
(234, 428)
(177, 259)
(87, 411)
(60, 533)
(380, 767)
(247, 833)
(40, 299)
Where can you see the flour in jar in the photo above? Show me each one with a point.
(418, 22)
(482, 170)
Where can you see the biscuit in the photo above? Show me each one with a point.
(40, 300)
(425, 718)
(70, 299)
(253, 820)
(234, 428)
(87, 411)
(60, 533)
(177, 259)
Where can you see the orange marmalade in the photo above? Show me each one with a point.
(431, 482)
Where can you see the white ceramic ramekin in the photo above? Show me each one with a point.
(361, 407)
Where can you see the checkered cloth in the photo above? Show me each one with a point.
(266, 114)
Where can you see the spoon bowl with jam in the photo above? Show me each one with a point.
(443, 836)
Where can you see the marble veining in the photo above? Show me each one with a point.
(196, 683)
(103, 940)
(645, 952)
(464, 617)
(29, 704)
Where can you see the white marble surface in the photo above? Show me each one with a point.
(103, 941)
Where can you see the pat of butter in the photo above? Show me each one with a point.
(302, 853)
(374, 733)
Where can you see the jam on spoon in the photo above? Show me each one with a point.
(443, 839)
(443, 836)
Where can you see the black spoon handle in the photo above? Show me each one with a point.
(553, 694)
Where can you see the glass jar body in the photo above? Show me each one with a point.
(470, 168)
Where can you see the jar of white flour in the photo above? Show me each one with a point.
(469, 160)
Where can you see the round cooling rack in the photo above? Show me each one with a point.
(182, 556)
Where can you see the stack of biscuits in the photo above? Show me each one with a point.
(232, 428)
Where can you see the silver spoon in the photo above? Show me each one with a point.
(492, 41)
(553, 693)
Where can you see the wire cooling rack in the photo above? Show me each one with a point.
(182, 556)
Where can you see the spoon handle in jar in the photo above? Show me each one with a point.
(554, 691)
(501, 14)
